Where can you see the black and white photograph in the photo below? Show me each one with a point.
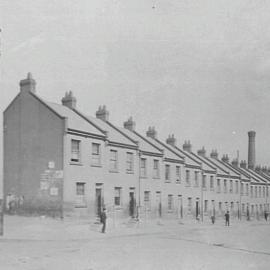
(134, 135)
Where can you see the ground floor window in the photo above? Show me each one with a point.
(170, 202)
(117, 196)
(80, 195)
(220, 206)
(205, 205)
(147, 202)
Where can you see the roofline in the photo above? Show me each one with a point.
(186, 153)
(168, 148)
(89, 121)
(209, 160)
(226, 165)
(121, 132)
(47, 105)
(200, 158)
(12, 101)
(84, 134)
(143, 138)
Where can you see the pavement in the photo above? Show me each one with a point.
(46, 243)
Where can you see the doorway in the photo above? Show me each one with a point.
(132, 203)
(159, 204)
(99, 199)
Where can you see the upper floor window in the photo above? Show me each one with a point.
(130, 162)
(143, 167)
(236, 187)
(178, 173)
(247, 189)
(251, 191)
(260, 192)
(256, 192)
(231, 186)
(196, 175)
(218, 185)
(204, 181)
(225, 186)
(170, 202)
(75, 150)
(264, 192)
(212, 182)
(167, 172)
(156, 168)
(96, 154)
(113, 160)
(242, 189)
(187, 177)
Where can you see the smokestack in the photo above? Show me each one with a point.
(251, 150)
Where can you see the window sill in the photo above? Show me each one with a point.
(167, 181)
(178, 182)
(130, 172)
(113, 171)
(81, 206)
(96, 165)
(156, 177)
(75, 163)
(118, 207)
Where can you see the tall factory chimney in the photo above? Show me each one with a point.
(251, 149)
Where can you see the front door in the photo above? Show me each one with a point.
(98, 202)
(132, 204)
(180, 207)
(158, 203)
(197, 209)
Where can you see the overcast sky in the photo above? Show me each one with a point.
(198, 69)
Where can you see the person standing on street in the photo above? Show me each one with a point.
(227, 219)
(103, 218)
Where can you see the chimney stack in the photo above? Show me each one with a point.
(251, 149)
(243, 164)
(102, 113)
(225, 158)
(214, 154)
(151, 132)
(202, 152)
(69, 100)
(187, 146)
(28, 84)
(130, 124)
(171, 140)
(235, 163)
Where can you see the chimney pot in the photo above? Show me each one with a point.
(151, 132)
(202, 152)
(130, 124)
(171, 140)
(102, 113)
(187, 146)
(69, 100)
(28, 84)
(243, 164)
(214, 154)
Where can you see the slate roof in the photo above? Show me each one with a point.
(74, 120)
(229, 170)
(144, 144)
(168, 153)
(115, 135)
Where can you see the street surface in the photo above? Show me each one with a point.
(38, 243)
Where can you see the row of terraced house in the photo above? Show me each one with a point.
(60, 161)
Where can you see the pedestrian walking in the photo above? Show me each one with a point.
(227, 219)
(103, 218)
